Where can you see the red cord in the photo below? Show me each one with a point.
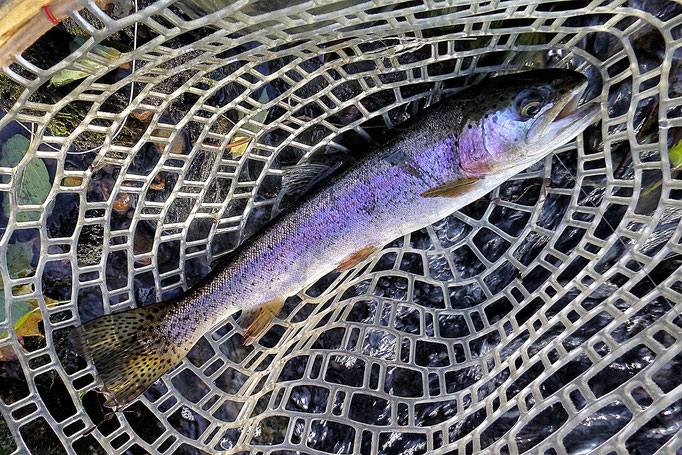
(50, 16)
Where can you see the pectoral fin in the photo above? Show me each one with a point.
(255, 321)
(355, 258)
(453, 189)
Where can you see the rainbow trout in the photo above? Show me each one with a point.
(436, 162)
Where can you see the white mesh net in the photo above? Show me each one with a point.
(544, 317)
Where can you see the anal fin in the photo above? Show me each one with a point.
(452, 189)
(354, 259)
(255, 321)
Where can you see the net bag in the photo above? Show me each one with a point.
(142, 141)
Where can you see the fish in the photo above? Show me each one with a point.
(433, 164)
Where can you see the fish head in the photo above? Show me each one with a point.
(514, 120)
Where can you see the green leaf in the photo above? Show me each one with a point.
(66, 76)
(25, 314)
(19, 256)
(107, 52)
(675, 155)
(261, 115)
(28, 324)
(20, 310)
(33, 184)
(14, 150)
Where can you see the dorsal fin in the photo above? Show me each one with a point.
(300, 178)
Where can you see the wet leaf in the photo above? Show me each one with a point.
(49, 302)
(33, 184)
(22, 289)
(27, 325)
(123, 202)
(142, 114)
(675, 155)
(178, 144)
(25, 289)
(19, 310)
(161, 133)
(158, 183)
(72, 181)
(66, 76)
(531, 38)
(19, 256)
(260, 116)
(238, 146)
(14, 150)
(115, 8)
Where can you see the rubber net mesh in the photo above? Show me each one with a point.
(544, 317)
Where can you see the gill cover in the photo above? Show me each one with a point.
(516, 119)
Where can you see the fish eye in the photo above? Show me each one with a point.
(530, 109)
(529, 104)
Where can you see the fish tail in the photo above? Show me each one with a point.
(130, 350)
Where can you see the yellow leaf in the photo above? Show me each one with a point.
(27, 326)
(22, 289)
(51, 302)
(238, 146)
(72, 181)
(675, 155)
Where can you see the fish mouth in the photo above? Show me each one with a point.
(565, 120)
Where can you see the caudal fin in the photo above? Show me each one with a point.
(130, 350)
